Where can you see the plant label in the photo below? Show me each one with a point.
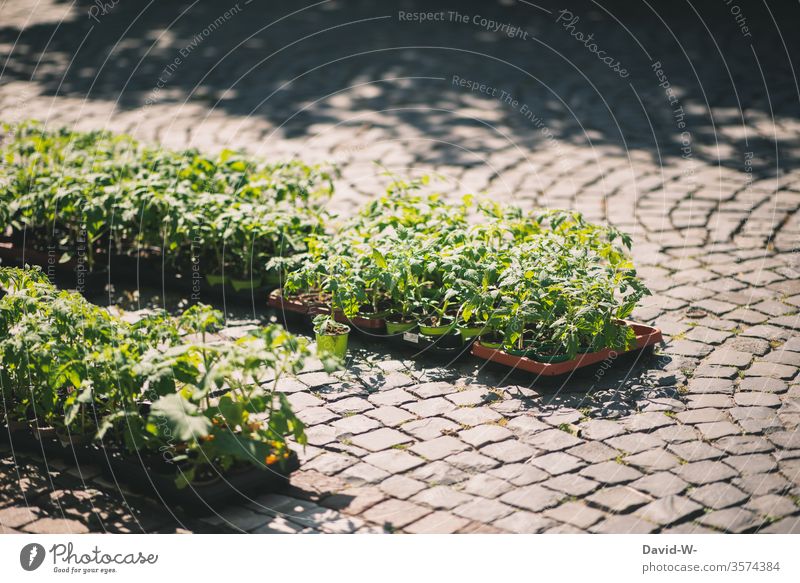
(411, 337)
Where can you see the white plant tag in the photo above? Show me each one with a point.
(411, 337)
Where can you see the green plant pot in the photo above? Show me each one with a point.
(550, 358)
(330, 344)
(399, 327)
(243, 284)
(470, 332)
(436, 330)
(527, 352)
(215, 280)
(492, 345)
(272, 278)
(374, 315)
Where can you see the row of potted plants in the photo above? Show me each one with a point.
(543, 284)
(160, 394)
(111, 195)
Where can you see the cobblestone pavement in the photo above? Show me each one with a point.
(690, 143)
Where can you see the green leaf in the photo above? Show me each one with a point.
(379, 259)
(231, 410)
(176, 417)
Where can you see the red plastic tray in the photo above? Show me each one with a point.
(276, 300)
(645, 336)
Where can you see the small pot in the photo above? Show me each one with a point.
(244, 284)
(72, 439)
(548, 353)
(215, 280)
(272, 278)
(470, 332)
(399, 327)
(13, 426)
(526, 352)
(379, 315)
(437, 330)
(549, 358)
(44, 433)
(333, 344)
(493, 340)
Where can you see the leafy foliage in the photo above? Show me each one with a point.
(548, 281)
(159, 386)
(95, 192)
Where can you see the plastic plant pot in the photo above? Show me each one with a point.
(546, 353)
(550, 358)
(379, 315)
(215, 280)
(244, 284)
(527, 352)
(272, 278)
(399, 327)
(470, 332)
(333, 344)
(492, 340)
(436, 330)
(360, 322)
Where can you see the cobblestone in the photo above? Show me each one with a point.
(576, 514)
(534, 498)
(710, 421)
(669, 510)
(734, 520)
(719, 495)
(618, 499)
(438, 523)
(439, 447)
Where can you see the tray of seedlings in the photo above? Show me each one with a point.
(97, 208)
(544, 291)
(158, 404)
(555, 360)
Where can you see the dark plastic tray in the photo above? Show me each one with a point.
(143, 476)
(126, 271)
(199, 498)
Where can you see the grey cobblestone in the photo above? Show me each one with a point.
(719, 495)
(571, 484)
(719, 405)
(484, 435)
(576, 514)
(401, 487)
(558, 463)
(618, 499)
(624, 524)
(705, 472)
(534, 498)
(522, 522)
(485, 511)
(439, 447)
(396, 513)
(510, 451)
(437, 523)
(441, 498)
(669, 510)
(734, 520)
(472, 461)
(394, 461)
(380, 439)
(660, 484)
